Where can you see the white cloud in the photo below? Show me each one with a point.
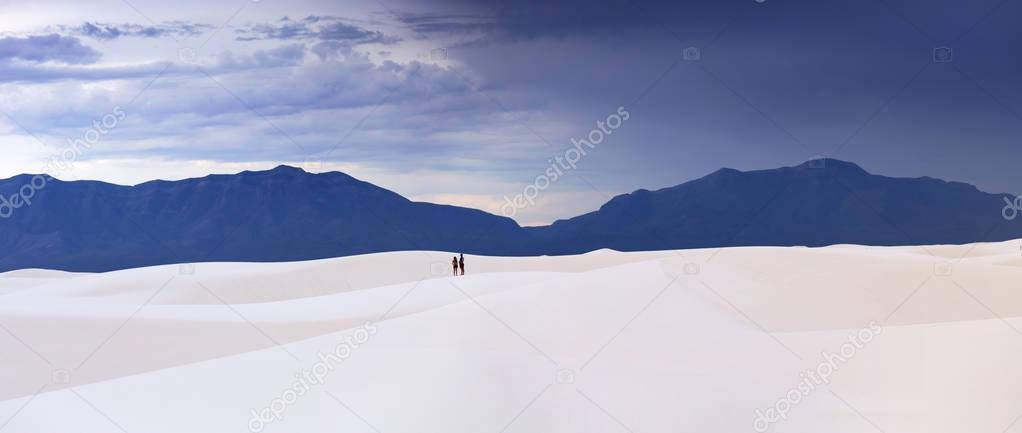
(47, 48)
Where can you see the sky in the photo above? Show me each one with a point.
(475, 103)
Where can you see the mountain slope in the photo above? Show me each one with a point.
(286, 214)
(819, 203)
(278, 215)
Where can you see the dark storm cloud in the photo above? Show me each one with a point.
(54, 47)
(313, 27)
(774, 81)
(444, 24)
(501, 20)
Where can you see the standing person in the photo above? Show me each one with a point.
(454, 261)
(461, 264)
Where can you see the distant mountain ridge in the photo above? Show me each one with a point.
(288, 214)
(821, 202)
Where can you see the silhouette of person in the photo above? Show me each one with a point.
(461, 264)
(454, 261)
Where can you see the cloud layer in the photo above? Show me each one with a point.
(47, 48)
(321, 28)
(106, 31)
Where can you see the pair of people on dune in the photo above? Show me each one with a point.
(458, 264)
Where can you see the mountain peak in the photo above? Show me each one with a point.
(283, 168)
(831, 164)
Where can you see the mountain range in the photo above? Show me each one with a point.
(288, 214)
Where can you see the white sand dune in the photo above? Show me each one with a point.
(693, 340)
